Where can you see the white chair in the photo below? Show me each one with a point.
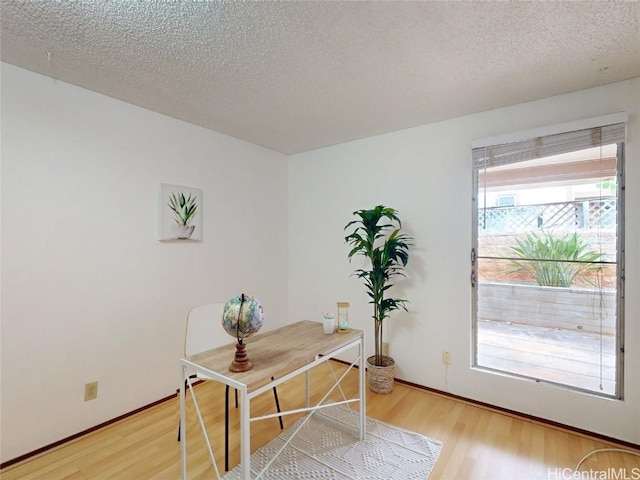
(204, 329)
(203, 332)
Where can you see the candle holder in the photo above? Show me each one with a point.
(328, 323)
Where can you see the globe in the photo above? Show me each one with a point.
(242, 316)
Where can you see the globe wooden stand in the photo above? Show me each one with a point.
(241, 362)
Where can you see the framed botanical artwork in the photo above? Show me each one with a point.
(180, 213)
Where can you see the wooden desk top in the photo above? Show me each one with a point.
(275, 353)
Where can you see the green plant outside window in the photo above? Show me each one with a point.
(538, 252)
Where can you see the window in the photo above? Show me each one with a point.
(547, 288)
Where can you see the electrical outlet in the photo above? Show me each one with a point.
(90, 391)
(385, 348)
(446, 357)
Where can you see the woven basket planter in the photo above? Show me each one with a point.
(381, 378)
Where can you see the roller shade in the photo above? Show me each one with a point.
(548, 145)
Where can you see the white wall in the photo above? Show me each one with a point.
(425, 173)
(88, 292)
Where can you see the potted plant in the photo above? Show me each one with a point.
(573, 254)
(184, 209)
(376, 236)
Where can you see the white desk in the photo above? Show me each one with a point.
(281, 354)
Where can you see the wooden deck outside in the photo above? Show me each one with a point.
(575, 358)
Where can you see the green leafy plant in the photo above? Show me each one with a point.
(609, 185)
(538, 252)
(376, 236)
(184, 208)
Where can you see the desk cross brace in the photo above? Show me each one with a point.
(320, 405)
(200, 420)
(318, 360)
(245, 418)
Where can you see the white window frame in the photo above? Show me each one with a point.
(601, 121)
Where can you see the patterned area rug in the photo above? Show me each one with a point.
(327, 447)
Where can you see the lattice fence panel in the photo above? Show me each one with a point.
(590, 214)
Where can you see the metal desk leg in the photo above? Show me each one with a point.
(186, 383)
(226, 421)
(226, 427)
(245, 435)
(306, 381)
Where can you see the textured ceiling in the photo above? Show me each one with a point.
(294, 76)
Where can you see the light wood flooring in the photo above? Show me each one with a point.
(478, 443)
